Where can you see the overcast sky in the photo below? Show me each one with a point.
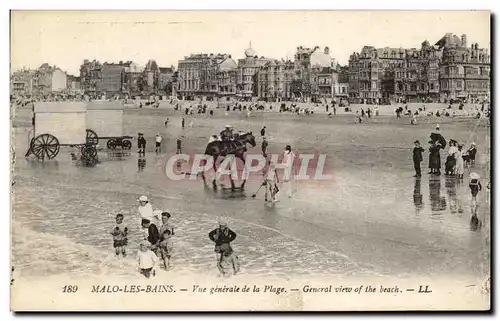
(65, 38)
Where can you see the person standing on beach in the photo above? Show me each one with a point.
(145, 208)
(459, 162)
(158, 140)
(147, 261)
(183, 122)
(120, 236)
(222, 236)
(475, 187)
(288, 159)
(179, 145)
(263, 131)
(141, 143)
(417, 158)
(166, 244)
(264, 146)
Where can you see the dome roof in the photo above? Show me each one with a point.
(228, 64)
(249, 53)
(320, 59)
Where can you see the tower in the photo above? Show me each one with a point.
(464, 40)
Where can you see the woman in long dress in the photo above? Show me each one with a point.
(434, 159)
(459, 165)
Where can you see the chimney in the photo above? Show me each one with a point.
(464, 40)
(447, 38)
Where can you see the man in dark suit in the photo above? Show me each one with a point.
(417, 158)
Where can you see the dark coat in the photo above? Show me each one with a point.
(222, 239)
(434, 157)
(153, 234)
(417, 154)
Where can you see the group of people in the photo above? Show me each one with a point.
(457, 157)
(362, 115)
(141, 144)
(456, 160)
(157, 245)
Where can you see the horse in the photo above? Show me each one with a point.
(236, 147)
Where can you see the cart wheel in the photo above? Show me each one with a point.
(45, 146)
(111, 144)
(126, 144)
(92, 137)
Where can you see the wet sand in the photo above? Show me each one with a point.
(372, 218)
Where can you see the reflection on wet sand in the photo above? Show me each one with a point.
(451, 191)
(141, 164)
(438, 202)
(417, 196)
(475, 223)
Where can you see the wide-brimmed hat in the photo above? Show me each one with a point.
(473, 144)
(143, 198)
(228, 126)
(222, 221)
(474, 176)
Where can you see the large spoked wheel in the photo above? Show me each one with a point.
(126, 144)
(92, 137)
(111, 144)
(45, 146)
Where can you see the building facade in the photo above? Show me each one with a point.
(227, 76)
(90, 74)
(111, 79)
(73, 84)
(151, 76)
(247, 72)
(429, 74)
(274, 80)
(198, 75)
(464, 72)
(133, 79)
(313, 73)
(51, 79)
(165, 80)
(24, 82)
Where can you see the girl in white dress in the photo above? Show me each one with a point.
(459, 165)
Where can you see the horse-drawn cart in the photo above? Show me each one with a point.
(105, 121)
(57, 124)
(76, 124)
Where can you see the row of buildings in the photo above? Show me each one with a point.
(312, 76)
(447, 70)
(44, 80)
(126, 78)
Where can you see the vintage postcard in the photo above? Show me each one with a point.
(250, 160)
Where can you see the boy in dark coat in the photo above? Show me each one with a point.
(417, 158)
(222, 237)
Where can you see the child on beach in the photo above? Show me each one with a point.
(475, 187)
(166, 245)
(179, 145)
(120, 236)
(147, 261)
